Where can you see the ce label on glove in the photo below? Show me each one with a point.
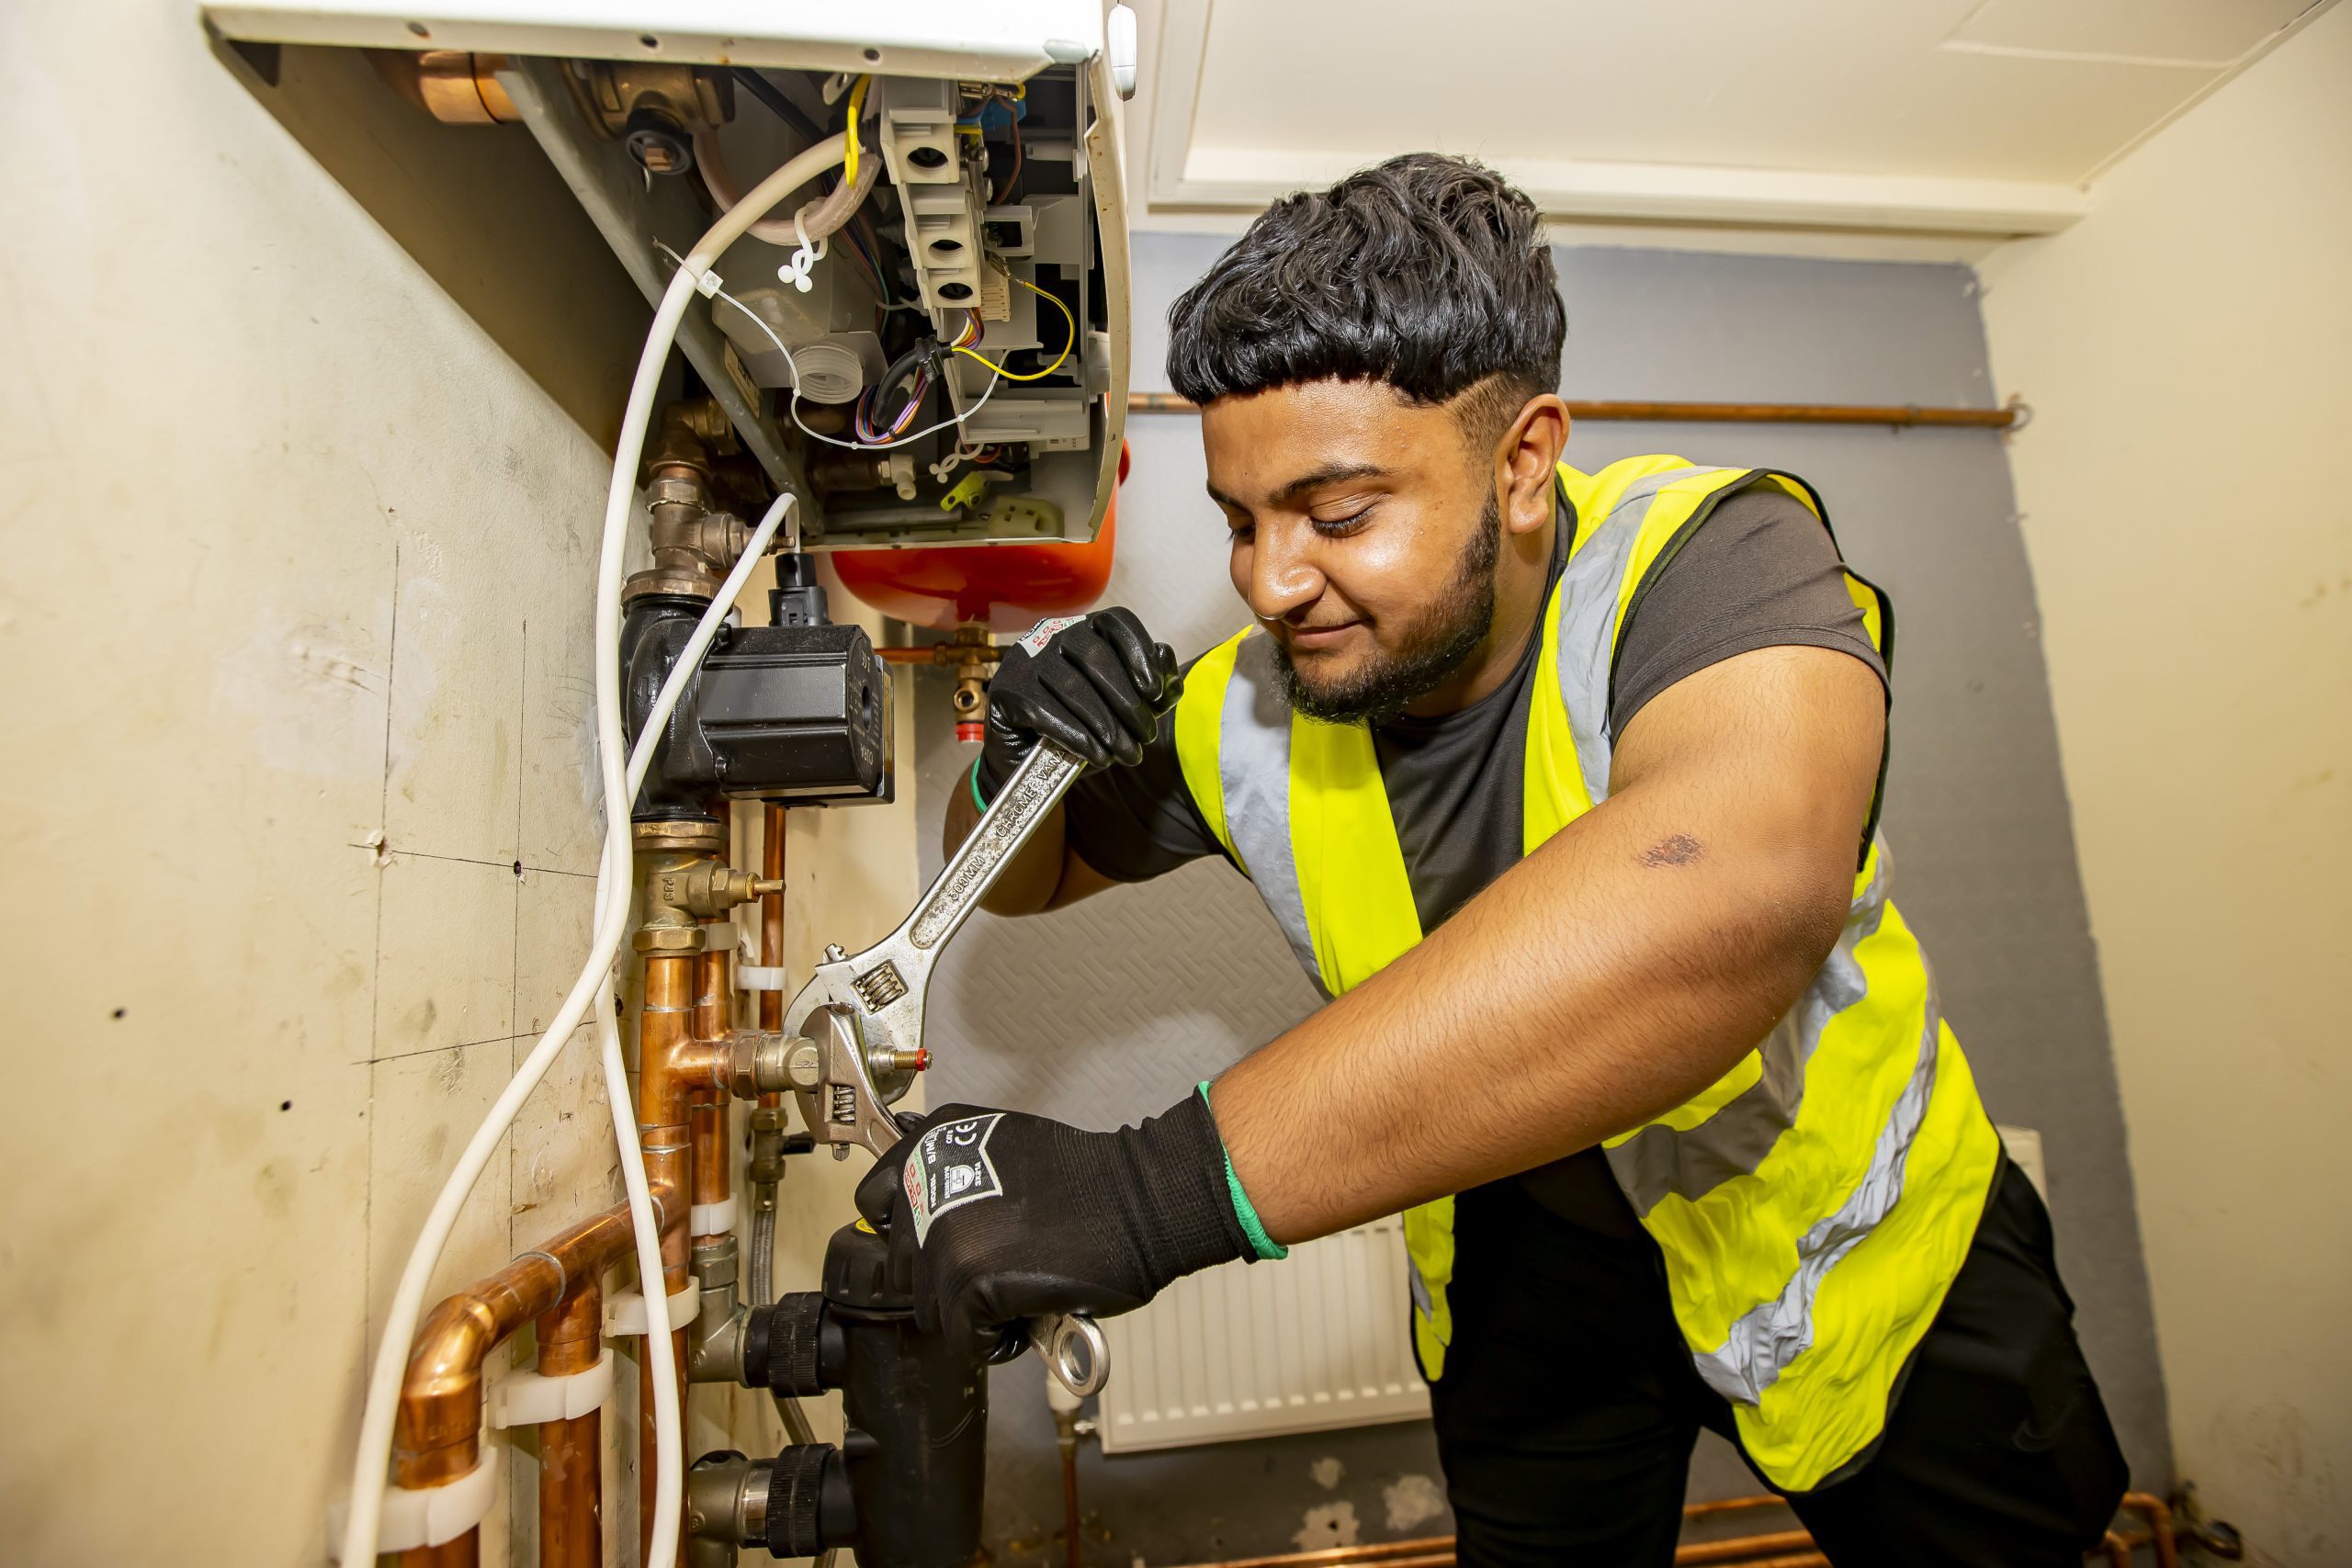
(950, 1167)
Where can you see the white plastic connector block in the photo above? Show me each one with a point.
(711, 1219)
(430, 1516)
(525, 1399)
(625, 1311)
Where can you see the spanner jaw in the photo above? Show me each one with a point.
(839, 1100)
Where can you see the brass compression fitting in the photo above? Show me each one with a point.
(707, 889)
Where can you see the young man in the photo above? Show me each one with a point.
(1563, 787)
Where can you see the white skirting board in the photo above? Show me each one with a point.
(1320, 1340)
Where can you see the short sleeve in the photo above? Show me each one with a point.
(1760, 572)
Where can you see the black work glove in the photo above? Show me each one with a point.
(994, 1216)
(1097, 685)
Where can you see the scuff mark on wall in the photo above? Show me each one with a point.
(313, 690)
(1333, 1524)
(1412, 1500)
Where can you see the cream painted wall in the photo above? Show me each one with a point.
(299, 565)
(2188, 351)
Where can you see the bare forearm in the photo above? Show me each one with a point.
(1514, 1036)
(1605, 979)
(1028, 883)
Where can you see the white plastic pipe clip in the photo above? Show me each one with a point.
(525, 1399)
(429, 1516)
(712, 1219)
(625, 1311)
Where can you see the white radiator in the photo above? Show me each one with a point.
(1319, 1339)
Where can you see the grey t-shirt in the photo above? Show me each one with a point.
(1760, 572)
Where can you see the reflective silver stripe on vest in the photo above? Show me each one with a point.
(1253, 762)
(1588, 642)
(1767, 1338)
(1660, 1161)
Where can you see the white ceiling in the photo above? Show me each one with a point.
(1842, 119)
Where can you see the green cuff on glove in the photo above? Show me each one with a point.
(1267, 1247)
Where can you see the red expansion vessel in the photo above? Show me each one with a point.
(1004, 587)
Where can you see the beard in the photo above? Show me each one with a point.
(1427, 653)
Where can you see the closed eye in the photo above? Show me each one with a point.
(1340, 527)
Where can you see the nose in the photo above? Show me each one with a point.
(1284, 575)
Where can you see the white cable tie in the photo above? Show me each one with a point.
(796, 270)
(426, 1516)
(712, 1219)
(759, 977)
(707, 282)
(625, 1311)
(525, 1399)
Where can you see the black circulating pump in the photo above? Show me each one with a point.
(797, 711)
(904, 1488)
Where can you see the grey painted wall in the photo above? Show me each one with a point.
(1107, 1012)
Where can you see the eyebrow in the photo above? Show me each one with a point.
(1330, 473)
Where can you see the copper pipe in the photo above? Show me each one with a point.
(1741, 1548)
(772, 920)
(2160, 1529)
(713, 1024)
(1731, 1506)
(1438, 1552)
(572, 1453)
(951, 653)
(708, 1140)
(1385, 1553)
(2117, 1549)
(451, 86)
(440, 1405)
(1073, 1554)
(1897, 415)
(438, 1433)
(714, 1015)
(673, 1070)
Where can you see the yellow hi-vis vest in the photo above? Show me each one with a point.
(1814, 1203)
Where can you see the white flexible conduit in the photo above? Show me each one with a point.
(593, 988)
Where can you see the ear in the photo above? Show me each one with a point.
(1527, 459)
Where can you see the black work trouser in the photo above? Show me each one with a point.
(1568, 1407)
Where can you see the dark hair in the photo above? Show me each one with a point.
(1429, 273)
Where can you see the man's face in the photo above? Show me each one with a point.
(1364, 537)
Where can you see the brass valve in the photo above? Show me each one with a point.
(707, 889)
(758, 1063)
